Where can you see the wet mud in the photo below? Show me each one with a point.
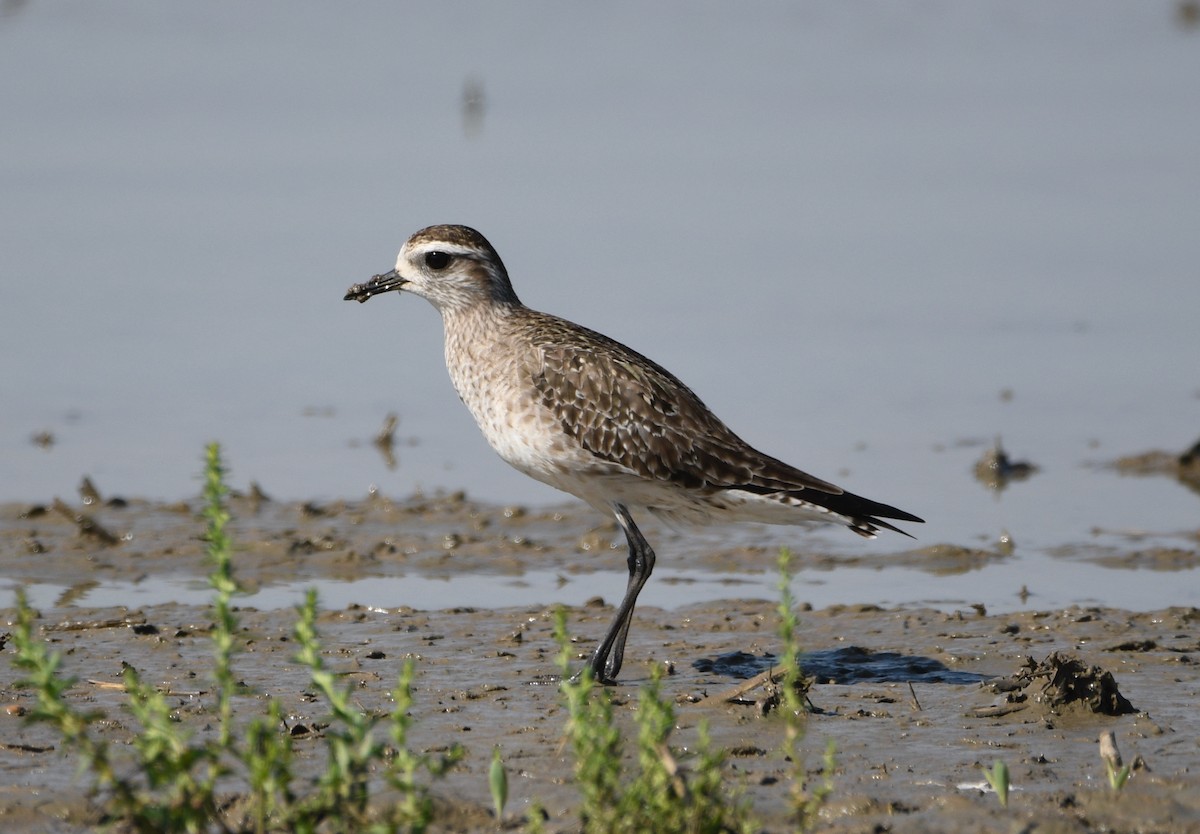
(916, 701)
(1182, 466)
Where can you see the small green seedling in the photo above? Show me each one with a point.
(498, 782)
(997, 777)
(1117, 776)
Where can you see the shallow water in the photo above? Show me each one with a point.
(451, 553)
(996, 588)
(872, 237)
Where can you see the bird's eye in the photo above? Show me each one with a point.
(437, 260)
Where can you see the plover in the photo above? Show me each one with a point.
(586, 414)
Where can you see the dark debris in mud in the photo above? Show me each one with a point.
(1063, 680)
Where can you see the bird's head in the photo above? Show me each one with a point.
(453, 267)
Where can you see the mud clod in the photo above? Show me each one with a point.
(1063, 680)
(87, 526)
(1183, 466)
(996, 470)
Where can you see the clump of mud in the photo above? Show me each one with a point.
(996, 470)
(1063, 681)
(1184, 467)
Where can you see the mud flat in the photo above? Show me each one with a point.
(917, 700)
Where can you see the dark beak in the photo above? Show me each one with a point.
(378, 284)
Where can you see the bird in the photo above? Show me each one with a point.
(592, 417)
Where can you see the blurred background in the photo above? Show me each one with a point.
(874, 237)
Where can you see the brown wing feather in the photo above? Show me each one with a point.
(627, 409)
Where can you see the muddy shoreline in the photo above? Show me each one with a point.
(903, 692)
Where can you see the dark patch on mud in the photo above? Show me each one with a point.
(844, 666)
(854, 664)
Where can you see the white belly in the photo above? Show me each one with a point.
(509, 412)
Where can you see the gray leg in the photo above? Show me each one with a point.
(606, 660)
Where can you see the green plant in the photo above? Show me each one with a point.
(219, 547)
(498, 784)
(342, 797)
(806, 800)
(594, 739)
(1117, 776)
(50, 707)
(659, 794)
(997, 777)
(172, 784)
